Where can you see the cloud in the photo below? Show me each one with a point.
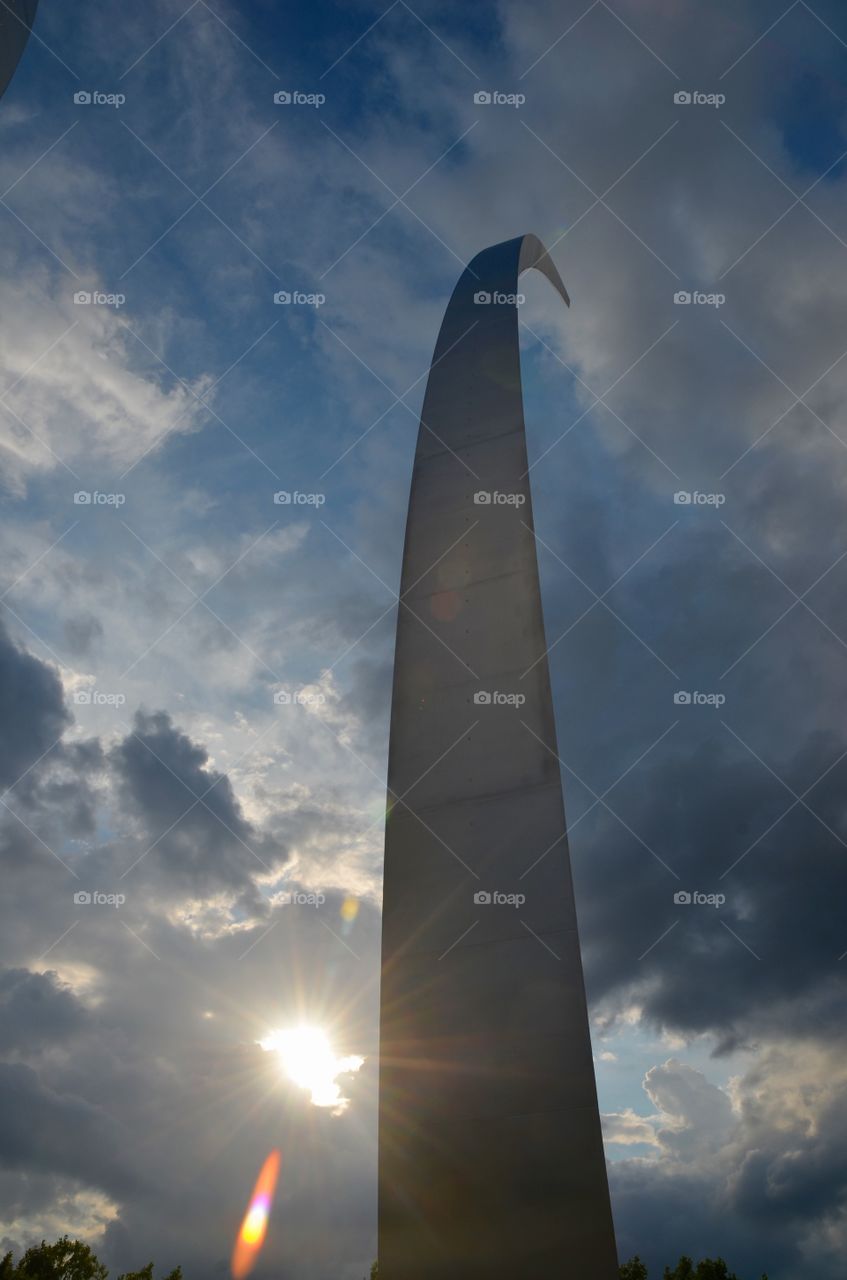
(188, 814)
(764, 1159)
(627, 1129)
(36, 1010)
(31, 702)
(60, 1133)
(77, 395)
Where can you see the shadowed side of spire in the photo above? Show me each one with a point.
(16, 19)
(491, 1158)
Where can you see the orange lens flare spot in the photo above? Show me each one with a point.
(255, 1224)
(251, 1235)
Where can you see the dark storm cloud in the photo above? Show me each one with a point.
(803, 1183)
(41, 1129)
(758, 1176)
(35, 1009)
(31, 707)
(706, 816)
(189, 817)
(664, 1212)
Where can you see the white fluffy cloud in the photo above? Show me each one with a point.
(77, 396)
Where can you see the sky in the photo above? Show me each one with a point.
(195, 678)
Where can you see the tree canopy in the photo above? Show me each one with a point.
(67, 1260)
(685, 1269)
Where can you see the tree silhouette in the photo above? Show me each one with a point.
(685, 1269)
(67, 1260)
(706, 1269)
(633, 1270)
(146, 1273)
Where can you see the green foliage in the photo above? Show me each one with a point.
(72, 1260)
(685, 1269)
(707, 1269)
(146, 1273)
(632, 1270)
(67, 1260)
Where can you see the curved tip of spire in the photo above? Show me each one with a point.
(533, 254)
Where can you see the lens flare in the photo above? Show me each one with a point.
(251, 1237)
(349, 910)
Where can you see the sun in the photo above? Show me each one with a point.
(308, 1058)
